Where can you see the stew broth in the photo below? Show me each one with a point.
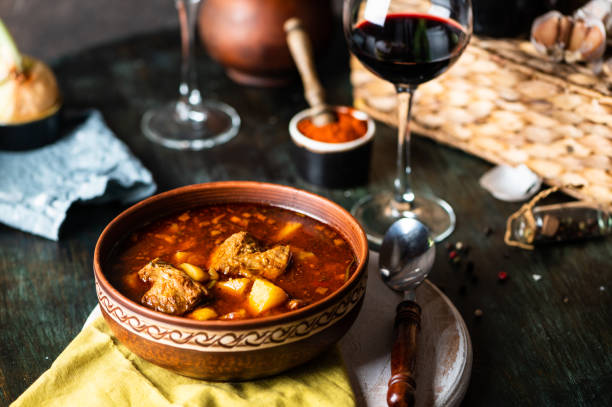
(321, 259)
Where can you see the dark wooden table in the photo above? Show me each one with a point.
(544, 343)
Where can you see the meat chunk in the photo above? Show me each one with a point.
(238, 244)
(173, 291)
(241, 254)
(269, 264)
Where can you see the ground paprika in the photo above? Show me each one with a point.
(345, 128)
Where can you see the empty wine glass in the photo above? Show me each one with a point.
(190, 123)
(406, 42)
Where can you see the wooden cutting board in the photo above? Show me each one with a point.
(444, 361)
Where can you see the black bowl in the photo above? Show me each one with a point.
(333, 165)
(31, 134)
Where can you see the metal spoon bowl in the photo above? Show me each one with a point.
(407, 254)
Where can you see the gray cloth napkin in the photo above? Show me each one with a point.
(37, 187)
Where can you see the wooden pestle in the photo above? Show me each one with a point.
(301, 50)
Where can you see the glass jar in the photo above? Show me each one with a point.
(560, 222)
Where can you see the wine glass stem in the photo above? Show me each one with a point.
(403, 191)
(190, 96)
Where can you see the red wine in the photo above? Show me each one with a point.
(410, 48)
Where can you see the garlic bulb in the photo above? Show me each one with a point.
(577, 38)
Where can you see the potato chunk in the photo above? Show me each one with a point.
(235, 286)
(195, 272)
(181, 256)
(264, 296)
(203, 314)
(303, 255)
(288, 229)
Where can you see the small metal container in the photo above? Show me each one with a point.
(333, 165)
(31, 134)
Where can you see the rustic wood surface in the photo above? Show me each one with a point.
(41, 29)
(538, 343)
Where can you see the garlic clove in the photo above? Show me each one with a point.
(600, 10)
(594, 43)
(566, 25)
(511, 184)
(578, 34)
(544, 31)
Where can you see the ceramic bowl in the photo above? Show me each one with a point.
(333, 165)
(31, 134)
(231, 350)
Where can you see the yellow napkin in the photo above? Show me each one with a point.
(96, 370)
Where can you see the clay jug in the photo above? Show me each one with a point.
(247, 37)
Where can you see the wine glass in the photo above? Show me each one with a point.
(406, 42)
(190, 123)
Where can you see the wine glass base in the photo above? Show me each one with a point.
(214, 123)
(376, 214)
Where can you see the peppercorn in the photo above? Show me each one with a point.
(478, 313)
(502, 276)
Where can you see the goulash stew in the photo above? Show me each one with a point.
(232, 261)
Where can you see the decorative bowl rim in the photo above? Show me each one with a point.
(283, 318)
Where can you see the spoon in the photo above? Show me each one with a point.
(301, 50)
(407, 254)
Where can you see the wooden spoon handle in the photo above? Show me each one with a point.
(301, 50)
(402, 386)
